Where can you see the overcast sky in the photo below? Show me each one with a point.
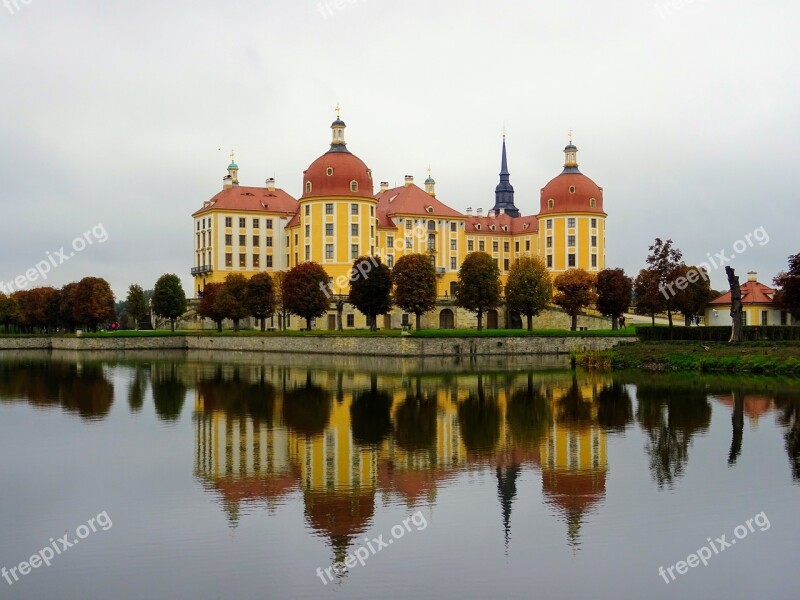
(124, 113)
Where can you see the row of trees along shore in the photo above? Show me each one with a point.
(375, 288)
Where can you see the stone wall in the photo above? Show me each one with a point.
(355, 346)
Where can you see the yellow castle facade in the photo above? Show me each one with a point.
(340, 217)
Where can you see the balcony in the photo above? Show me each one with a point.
(202, 270)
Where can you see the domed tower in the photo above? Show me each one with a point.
(337, 217)
(572, 220)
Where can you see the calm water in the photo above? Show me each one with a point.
(241, 475)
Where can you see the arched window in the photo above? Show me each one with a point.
(354, 186)
(592, 203)
(431, 225)
(308, 187)
(551, 203)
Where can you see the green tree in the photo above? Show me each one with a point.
(529, 287)
(415, 285)
(208, 304)
(371, 288)
(9, 311)
(280, 309)
(788, 284)
(135, 305)
(231, 300)
(663, 262)
(169, 299)
(261, 297)
(479, 287)
(94, 302)
(614, 293)
(693, 292)
(574, 292)
(304, 291)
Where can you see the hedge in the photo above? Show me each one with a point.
(752, 333)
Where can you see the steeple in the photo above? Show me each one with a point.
(338, 126)
(504, 192)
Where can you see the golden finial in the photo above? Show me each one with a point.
(429, 170)
(570, 137)
(232, 157)
(337, 112)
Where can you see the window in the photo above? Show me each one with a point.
(354, 229)
(329, 208)
(228, 259)
(269, 261)
(764, 318)
(470, 245)
(527, 245)
(308, 252)
(242, 260)
(592, 203)
(329, 251)
(495, 246)
(228, 239)
(390, 241)
(431, 242)
(269, 223)
(506, 246)
(354, 209)
(269, 241)
(496, 263)
(431, 225)
(329, 171)
(353, 186)
(572, 189)
(570, 240)
(408, 225)
(371, 231)
(228, 222)
(551, 203)
(242, 222)
(594, 223)
(198, 225)
(549, 223)
(256, 261)
(409, 243)
(571, 261)
(571, 222)
(404, 320)
(453, 227)
(594, 261)
(549, 243)
(594, 241)
(453, 265)
(256, 241)
(308, 210)
(296, 239)
(453, 288)
(308, 187)
(516, 246)
(351, 320)
(549, 261)
(371, 211)
(308, 230)
(328, 228)
(390, 260)
(453, 245)
(354, 251)
(505, 264)
(256, 223)
(481, 246)
(243, 240)
(478, 226)
(744, 318)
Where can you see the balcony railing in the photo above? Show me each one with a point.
(202, 270)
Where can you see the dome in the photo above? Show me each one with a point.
(333, 173)
(572, 192)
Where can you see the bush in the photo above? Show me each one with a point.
(753, 333)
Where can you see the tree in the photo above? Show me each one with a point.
(529, 287)
(694, 292)
(303, 291)
(94, 302)
(169, 299)
(664, 261)
(135, 305)
(788, 284)
(614, 292)
(261, 297)
(67, 308)
(479, 287)
(737, 314)
(231, 301)
(280, 309)
(415, 285)
(647, 298)
(208, 304)
(371, 288)
(575, 291)
(9, 311)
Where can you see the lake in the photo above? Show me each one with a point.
(208, 475)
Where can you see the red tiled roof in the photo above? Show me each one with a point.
(503, 224)
(558, 189)
(753, 292)
(251, 198)
(346, 167)
(413, 200)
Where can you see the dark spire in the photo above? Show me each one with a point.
(504, 192)
(506, 491)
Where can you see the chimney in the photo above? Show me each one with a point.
(271, 184)
(469, 211)
(409, 180)
(480, 212)
(752, 276)
(227, 182)
(491, 213)
(384, 186)
(502, 211)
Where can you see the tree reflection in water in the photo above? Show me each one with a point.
(306, 409)
(169, 391)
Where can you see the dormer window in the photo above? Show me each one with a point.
(329, 171)
(593, 203)
(478, 226)
(505, 227)
(551, 203)
(354, 186)
(492, 227)
(572, 189)
(525, 225)
(430, 209)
